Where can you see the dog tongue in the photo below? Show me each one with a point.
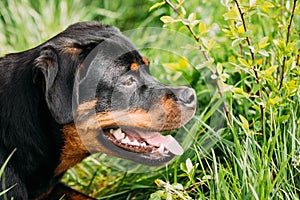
(156, 139)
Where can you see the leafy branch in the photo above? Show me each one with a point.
(287, 41)
(254, 68)
(205, 54)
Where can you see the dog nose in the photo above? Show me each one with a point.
(186, 96)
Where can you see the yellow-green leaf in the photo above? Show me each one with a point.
(183, 63)
(263, 43)
(270, 70)
(167, 19)
(219, 68)
(241, 29)
(202, 27)
(274, 101)
(237, 42)
(192, 17)
(157, 5)
(245, 123)
(244, 62)
(238, 91)
(172, 66)
(180, 2)
(263, 53)
(231, 15)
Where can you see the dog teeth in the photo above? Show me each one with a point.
(161, 149)
(126, 140)
(135, 143)
(143, 144)
(118, 134)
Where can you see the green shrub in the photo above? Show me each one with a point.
(252, 51)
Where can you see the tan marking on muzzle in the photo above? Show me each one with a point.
(163, 116)
(81, 137)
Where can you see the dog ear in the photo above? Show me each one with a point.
(49, 75)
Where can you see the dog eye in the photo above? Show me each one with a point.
(129, 82)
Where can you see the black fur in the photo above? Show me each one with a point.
(33, 107)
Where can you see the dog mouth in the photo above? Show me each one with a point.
(143, 146)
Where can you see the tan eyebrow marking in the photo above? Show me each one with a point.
(145, 60)
(134, 66)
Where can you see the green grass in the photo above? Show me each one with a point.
(250, 152)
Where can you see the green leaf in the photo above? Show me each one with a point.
(263, 53)
(189, 165)
(205, 42)
(244, 62)
(206, 64)
(155, 196)
(268, 4)
(194, 23)
(265, 7)
(192, 17)
(219, 68)
(237, 42)
(157, 5)
(284, 118)
(172, 66)
(224, 77)
(274, 101)
(245, 123)
(255, 88)
(202, 28)
(241, 29)
(238, 91)
(183, 11)
(167, 19)
(178, 186)
(180, 2)
(259, 101)
(183, 63)
(185, 22)
(231, 15)
(263, 43)
(270, 70)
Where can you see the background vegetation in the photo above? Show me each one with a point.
(242, 58)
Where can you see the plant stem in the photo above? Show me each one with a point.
(247, 39)
(254, 68)
(205, 54)
(287, 41)
(298, 58)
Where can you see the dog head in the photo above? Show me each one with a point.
(96, 81)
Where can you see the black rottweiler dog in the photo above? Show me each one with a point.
(85, 90)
